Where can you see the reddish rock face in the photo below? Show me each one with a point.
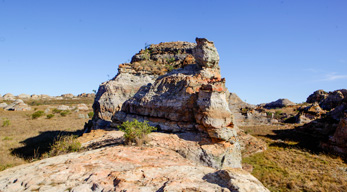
(190, 98)
(125, 169)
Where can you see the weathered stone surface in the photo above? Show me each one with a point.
(24, 96)
(145, 67)
(334, 99)
(88, 95)
(124, 169)
(17, 105)
(279, 104)
(199, 148)
(310, 113)
(35, 97)
(68, 95)
(82, 107)
(186, 99)
(3, 105)
(9, 96)
(205, 53)
(64, 107)
(317, 96)
(329, 126)
(43, 96)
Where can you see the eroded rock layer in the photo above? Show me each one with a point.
(125, 169)
(145, 67)
(186, 99)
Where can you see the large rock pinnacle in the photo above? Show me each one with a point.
(205, 53)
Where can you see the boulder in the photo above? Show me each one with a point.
(3, 105)
(17, 105)
(35, 97)
(87, 95)
(24, 96)
(82, 107)
(309, 113)
(334, 99)
(205, 53)
(43, 96)
(9, 96)
(64, 107)
(68, 95)
(120, 168)
(279, 104)
(317, 96)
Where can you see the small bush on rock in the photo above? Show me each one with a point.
(37, 114)
(135, 131)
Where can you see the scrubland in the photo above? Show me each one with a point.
(293, 162)
(25, 137)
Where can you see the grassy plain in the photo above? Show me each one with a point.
(26, 139)
(293, 162)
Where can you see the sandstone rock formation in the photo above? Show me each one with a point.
(278, 104)
(82, 107)
(23, 96)
(328, 119)
(3, 105)
(88, 95)
(9, 96)
(68, 95)
(191, 98)
(145, 67)
(125, 169)
(17, 105)
(64, 107)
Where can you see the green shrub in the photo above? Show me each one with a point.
(37, 114)
(64, 144)
(5, 122)
(269, 114)
(64, 113)
(135, 131)
(55, 110)
(278, 114)
(171, 60)
(91, 114)
(50, 116)
(7, 138)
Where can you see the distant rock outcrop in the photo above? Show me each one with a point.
(278, 104)
(327, 119)
(17, 105)
(9, 96)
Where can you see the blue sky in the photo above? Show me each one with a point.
(268, 49)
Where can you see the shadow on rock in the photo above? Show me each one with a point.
(35, 147)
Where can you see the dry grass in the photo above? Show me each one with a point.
(27, 139)
(294, 163)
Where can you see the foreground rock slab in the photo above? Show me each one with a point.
(124, 169)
